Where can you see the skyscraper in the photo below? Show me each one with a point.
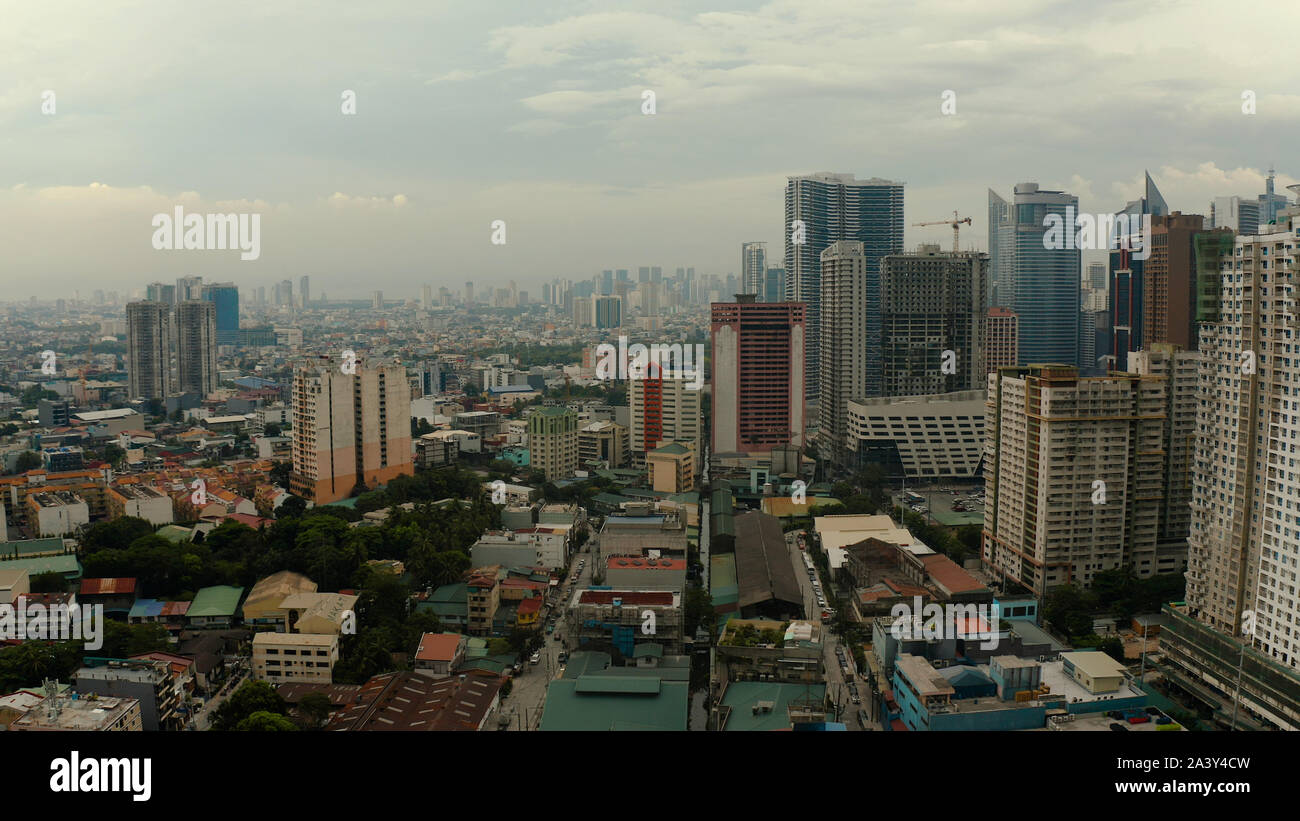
(932, 318)
(829, 208)
(148, 350)
(161, 292)
(609, 311)
(1128, 275)
(773, 285)
(1175, 273)
(189, 288)
(757, 377)
(1001, 335)
(1238, 213)
(225, 296)
(196, 346)
(349, 429)
(1075, 474)
(753, 268)
(1039, 283)
(844, 282)
(304, 290)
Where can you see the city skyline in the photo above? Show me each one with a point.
(550, 137)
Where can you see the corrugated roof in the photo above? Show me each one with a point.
(107, 587)
(764, 569)
(216, 601)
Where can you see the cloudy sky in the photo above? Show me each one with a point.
(530, 111)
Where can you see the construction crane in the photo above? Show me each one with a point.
(955, 222)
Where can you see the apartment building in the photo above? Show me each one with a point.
(1075, 475)
(844, 344)
(196, 346)
(149, 350)
(140, 501)
(1001, 330)
(553, 442)
(661, 410)
(349, 429)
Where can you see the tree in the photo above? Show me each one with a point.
(698, 610)
(280, 473)
(51, 582)
(251, 697)
(271, 429)
(1113, 647)
(27, 460)
(113, 454)
(315, 708)
(1067, 608)
(263, 721)
(291, 508)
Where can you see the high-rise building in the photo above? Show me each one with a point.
(1039, 283)
(932, 321)
(161, 292)
(1097, 276)
(773, 286)
(377, 300)
(196, 346)
(830, 208)
(349, 430)
(304, 291)
(148, 350)
(1001, 335)
(286, 294)
(426, 297)
(845, 343)
(757, 377)
(469, 293)
(662, 410)
(608, 311)
(1237, 213)
(189, 289)
(553, 442)
(1127, 288)
(1076, 472)
(225, 297)
(753, 268)
(1175, 273)
(583, 314)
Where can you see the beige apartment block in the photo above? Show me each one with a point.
(302, 657)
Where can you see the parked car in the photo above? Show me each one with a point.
(534, 658)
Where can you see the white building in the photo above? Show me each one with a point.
(938, 436)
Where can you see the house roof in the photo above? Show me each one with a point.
(107, 587)
(438, 647)
(216, 601)
(415, 702)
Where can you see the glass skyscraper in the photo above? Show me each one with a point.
(833, 208)
(226, 297)
(1040, 284)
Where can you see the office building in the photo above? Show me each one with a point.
(553, 442)
(349, 430)
(831, 208)
(1239, 214)
(932, 319)
(1040, 284)
(189, 289)
(161, 292)
(148, 350)
(304, 291)
(753, 268)
(773, 286)
(608, 311)
(225, 296)
(757, 375)
(1180, 266)
(919, 438)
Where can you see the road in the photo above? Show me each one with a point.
(203, 718)
(528, 693)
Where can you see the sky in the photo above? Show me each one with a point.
(532, 113)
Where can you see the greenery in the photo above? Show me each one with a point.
(27, 460)
(252, 698)
(1117, 593)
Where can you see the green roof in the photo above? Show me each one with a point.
(216, 601)
(648, 650)
(32, 547)
(350, 502)
(175, 533)
(66, 564)
(627, 705)
(741, 696)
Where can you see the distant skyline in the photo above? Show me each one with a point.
(530, 112)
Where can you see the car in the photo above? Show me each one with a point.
(856, 700)
(534, 658)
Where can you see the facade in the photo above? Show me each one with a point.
(920, 438)
(1238, 214)
(608, 311)
(196, 346)
(845, 342)
(150, 682)
(225, 296)
(662, 410)
(757, 376)
(57, 512)
(753, 268)
(1176, 274)
(149, 350)
(831, 208)
(1001, 335)
(1075, 473)
(931, 304)
(672, 467)
(1040, 284)
(295, 657)
(349, 429)
(603, 443)
(1244, 540)
(140, 501)
(553, 442)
